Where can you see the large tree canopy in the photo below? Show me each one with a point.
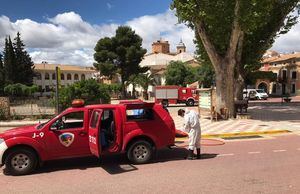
(120, 54)
(234, 34)
(24, 66)
(17, 64)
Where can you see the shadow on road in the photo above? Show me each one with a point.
(113, 164)
(174, 154)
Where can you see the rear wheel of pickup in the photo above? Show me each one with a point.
(140, 152)
(20, 161)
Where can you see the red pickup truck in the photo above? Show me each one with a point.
(136, 129)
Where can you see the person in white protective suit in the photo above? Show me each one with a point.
(192, 127)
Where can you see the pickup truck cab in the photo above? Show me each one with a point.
(136, 129)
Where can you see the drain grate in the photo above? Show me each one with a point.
(242, 137)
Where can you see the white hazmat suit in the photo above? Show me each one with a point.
(192, 127)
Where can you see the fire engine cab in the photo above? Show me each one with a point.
(134, 128)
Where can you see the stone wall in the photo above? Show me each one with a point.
(4, 107)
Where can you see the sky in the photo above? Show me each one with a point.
(66, 31)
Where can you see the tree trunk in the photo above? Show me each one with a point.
(225, 90)
(239, 86)
(145, 93)
(123, 90)
(133, 91)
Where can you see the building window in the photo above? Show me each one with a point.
(62, 76)
(47, 76)
(38, 76)
(76, 77)
(82, 77)
(284, 74)
(293, 89)
(53, 76)
(69, 77)
(294, 75)
(47, 88)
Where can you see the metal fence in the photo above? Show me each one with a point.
(31, 107)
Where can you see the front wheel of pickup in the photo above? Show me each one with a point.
(140, 152)
(20, 161)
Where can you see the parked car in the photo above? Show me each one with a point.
(255, 94)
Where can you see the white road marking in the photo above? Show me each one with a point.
(226, 154)
(279, 150)
(254, 152)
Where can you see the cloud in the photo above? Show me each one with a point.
(109, 6)
(165, 26)
(289, 42)
(67, 39)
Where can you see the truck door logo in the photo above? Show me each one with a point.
(66, 139)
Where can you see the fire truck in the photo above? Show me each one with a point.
(133, 128)
(175, 95)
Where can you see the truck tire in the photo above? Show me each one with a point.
(20, 161)
(190, 102)
(140, 152)
(165, 103)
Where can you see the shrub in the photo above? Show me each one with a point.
(20, 90)
(88, 90)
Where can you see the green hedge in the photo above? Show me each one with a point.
(20, 90)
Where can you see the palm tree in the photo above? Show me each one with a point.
(144, 81)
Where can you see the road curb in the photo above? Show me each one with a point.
(240, 134)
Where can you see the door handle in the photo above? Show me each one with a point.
(82, 133)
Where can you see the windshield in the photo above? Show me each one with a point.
(41, 125)
(260, 91)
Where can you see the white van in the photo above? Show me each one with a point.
(257, 94)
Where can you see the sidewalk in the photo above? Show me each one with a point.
(241, 127)
(265, 119)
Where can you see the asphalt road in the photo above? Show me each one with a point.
(268, 165)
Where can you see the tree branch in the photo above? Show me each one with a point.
(235, 33)
(239, 51)
(208, 45)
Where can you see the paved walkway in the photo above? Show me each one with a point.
(265, 118)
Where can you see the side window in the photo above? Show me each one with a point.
(73, 120)
(139, 114)
(94, 120)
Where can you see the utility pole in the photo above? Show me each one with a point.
(57, 72)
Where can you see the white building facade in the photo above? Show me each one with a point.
(45, 77)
